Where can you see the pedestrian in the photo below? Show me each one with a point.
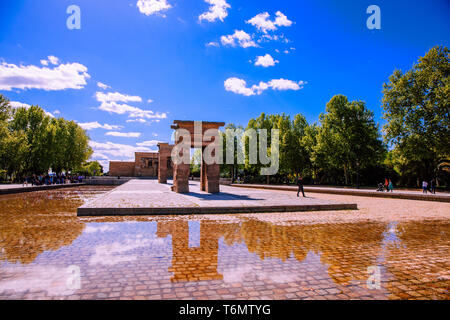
(391, 186)
(433, 186)
(424, 186)
(386, 184)
(300, 186)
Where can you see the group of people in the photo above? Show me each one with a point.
(50, 179)
(388, 186)
(431, 185)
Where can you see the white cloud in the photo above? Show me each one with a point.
(263, 23)
(283, 84)
(103, 86)
(239, 86)
(109, 102)
(212, 44)
(149, 100)
(53, 60)
(149, 7)
(132, 112)
(16, 104)
(282, 20)
(116, 97)
(243, 39)
(96, 125)
(217, 10)
(265, 61)
(140, 120)
(61, 77)
(44, 62)
(117, 150)
(150, 143)
(124, 134)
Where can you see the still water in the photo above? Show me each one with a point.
(47, 252)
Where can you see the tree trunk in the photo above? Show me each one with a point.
(345, 175)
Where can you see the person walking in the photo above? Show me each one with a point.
(386, 184)
(433, 186)
(300, 186)
(424, 186)
(390, 186)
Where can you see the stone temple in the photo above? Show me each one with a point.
(145, 164)
(159, 164)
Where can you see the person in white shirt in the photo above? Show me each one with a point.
(424, 186)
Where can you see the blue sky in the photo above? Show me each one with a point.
(163, 60)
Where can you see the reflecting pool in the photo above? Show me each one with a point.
(47, 252)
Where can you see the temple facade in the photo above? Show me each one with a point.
(145, 164)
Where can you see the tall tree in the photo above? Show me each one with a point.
(416, 106)
(349, 136)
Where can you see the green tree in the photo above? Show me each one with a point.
(349, 137)
(90, 168)
(13, 144)
(196, 162)
(236, 133)
(416, 107)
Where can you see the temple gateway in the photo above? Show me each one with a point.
(159, 164)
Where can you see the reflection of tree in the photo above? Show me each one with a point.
(348, 249)
(36, 222)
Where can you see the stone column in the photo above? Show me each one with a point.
(162, 163)
(181, 178)
(212, 178)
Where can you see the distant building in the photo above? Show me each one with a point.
(145, 165)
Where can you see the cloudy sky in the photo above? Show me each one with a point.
(135, 66)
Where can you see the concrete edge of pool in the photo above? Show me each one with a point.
(86, 211)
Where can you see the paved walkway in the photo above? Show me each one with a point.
(19, 188)
(400, 194)
(144, 197)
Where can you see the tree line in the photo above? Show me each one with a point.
(32, 142)
(346, 145)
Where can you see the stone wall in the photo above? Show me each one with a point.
(121, 168)
(146, 164)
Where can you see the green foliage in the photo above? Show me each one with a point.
(196, 162)
(294, 156)
(32, 142)
(416, 106)
(90, 169)
(344, 144)
(348, 137)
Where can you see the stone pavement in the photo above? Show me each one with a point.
(399, 194)
(145, 197)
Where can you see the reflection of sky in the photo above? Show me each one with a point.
(194, 234)
(237, 264)
(101, 248)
